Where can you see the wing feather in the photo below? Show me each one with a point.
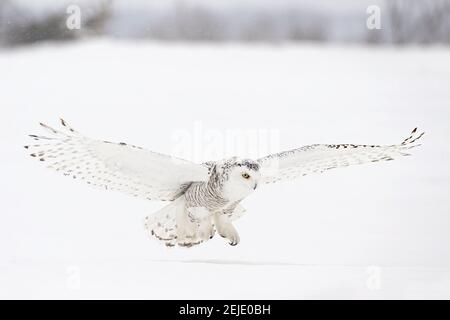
(318, 158)
(115, 166)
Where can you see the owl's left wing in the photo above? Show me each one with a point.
(115, 166)
(318, 158)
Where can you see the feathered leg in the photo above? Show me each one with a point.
(224, 227)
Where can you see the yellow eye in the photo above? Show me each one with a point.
(245, 175)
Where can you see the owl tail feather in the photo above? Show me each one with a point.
(171, 225)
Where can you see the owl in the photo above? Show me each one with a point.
(204, 199)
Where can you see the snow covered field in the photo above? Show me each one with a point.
(375, 231)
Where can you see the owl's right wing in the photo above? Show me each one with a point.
(318, 158)
(115, 166)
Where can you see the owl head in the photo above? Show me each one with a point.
(239, 177)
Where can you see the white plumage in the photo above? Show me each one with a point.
(205, 196)
(318, 158)
(116, 166)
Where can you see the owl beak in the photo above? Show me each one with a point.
(255, 186)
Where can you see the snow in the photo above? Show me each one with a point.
(375, 231)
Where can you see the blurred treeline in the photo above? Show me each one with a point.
(403, 22)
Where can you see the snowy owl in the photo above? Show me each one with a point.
(205, 198)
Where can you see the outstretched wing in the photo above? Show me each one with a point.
(318, 158)
(115, 166)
